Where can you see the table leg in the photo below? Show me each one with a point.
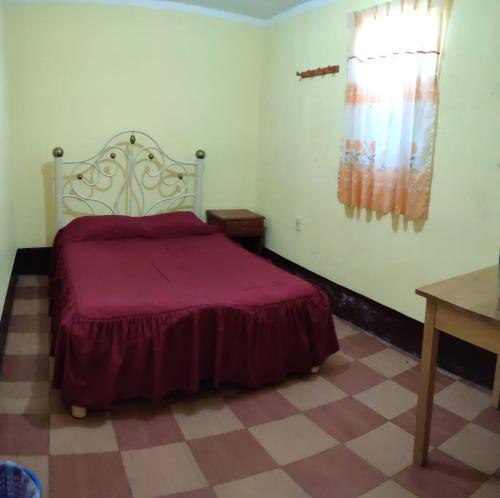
(496, 386)
(428, 364)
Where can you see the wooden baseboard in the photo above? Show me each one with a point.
(32, 261)
(455, 355)
(6, 314)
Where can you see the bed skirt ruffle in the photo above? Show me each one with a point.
(99, 361)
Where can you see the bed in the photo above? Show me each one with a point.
(146, 305)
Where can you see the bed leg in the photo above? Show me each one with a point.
(78, 411)
(315, 370)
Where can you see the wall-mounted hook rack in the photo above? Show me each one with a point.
(321, 71)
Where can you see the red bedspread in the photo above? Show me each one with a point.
(144, 310)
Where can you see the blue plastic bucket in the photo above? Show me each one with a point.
(18, 482)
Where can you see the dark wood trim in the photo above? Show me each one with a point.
(455, 355)
(32, 261)
(6, 314)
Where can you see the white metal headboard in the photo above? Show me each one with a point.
(130, 175)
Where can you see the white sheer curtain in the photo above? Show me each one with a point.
(391, 107)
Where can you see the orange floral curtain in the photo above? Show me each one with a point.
(391, 106)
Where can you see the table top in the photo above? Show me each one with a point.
(234, 214)
(476, 292)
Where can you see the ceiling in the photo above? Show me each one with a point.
(261, 9)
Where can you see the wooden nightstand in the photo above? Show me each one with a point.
(243, 226)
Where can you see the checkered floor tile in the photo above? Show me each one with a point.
(346, 432)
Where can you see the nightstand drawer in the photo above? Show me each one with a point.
(244, 227)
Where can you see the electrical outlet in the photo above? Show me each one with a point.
(298, 223)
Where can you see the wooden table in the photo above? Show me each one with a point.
(466, 307)
(241, 225)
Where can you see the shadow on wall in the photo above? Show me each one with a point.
(49, 197)
(398, 221)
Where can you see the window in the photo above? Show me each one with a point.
(391, 106)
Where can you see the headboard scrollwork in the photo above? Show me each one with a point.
(130, 175)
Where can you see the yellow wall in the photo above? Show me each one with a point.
(382, 258)
(7, 238)
(79, 73)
